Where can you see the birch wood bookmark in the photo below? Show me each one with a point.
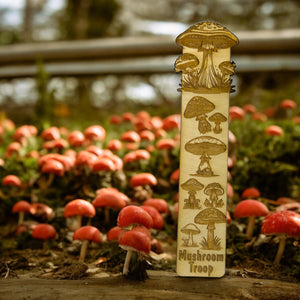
(206, 83)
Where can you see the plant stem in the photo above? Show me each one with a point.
(280, 249)
(127, 261)
(250, 227)
(83, 249)
(21, 218)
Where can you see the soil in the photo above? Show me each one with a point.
(50, 274)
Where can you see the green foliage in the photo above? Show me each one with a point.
(269, 163)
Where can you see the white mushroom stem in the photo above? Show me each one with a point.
(21, 218)
(281, 247)
(83, 250)
(78, 221)
(250, 227)
(127, 262)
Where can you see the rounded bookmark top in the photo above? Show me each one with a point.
(207, 35)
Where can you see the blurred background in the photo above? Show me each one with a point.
(58, 61)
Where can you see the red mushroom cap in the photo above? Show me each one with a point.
(136, 241)
(288, 104)
(79, 207)
(114, 234)
(11, 180)
(53, 166)
(41, 209)
(147, 135)
(143, 179)
(174, 178)
(23, 206)
(160, 204)
(76, 138)
(236, 113)
(104, 164)
(85, 158)
(89, 233)
(142, 229)
(130, 136)
(249, 108)
(171, 122)
(114, 145)
(251, 192)
(110, 197)
(250, 207)
(282, 222)
(165, 144)
(132, 215)
(95, 133)
(43, 232)
(51, 133)
(274, 130)
(158, 221)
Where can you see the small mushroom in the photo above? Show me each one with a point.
(197, 108)
(21, 207)
(44, 232)
(217, 118)
(250, 208)
(191, 230)
(79, 208)
(192, 186)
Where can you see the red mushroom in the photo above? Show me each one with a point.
(95, 133)
(114, 234)
(143, 179)
(251, 192)
(134, 240)
(132, 215)
(109, 198)
(76, 138)
(44, 232)
(250, 208)
(158, 221)
(21, 208)
(79, 208)
(11, 180)
(274, 130)
(166, 145)
(87, 234)
(160, 204)
(51, 133)
(283, 224)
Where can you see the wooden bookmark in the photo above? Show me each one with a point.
(206, 83)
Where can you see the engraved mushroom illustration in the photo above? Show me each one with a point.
(210, 216)
(205, 146)
(190, 230)
(186, 62)
(217, 118)
(197, 108)
(208, 38)
(192, 185)
(214, 190)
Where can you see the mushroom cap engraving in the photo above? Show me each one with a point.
(205, 145)
(210, 215)
(217, 117)
(186, 60)
(214, 188)
(190, 229)
(206, 33)
(198, 106)
(192, 185)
